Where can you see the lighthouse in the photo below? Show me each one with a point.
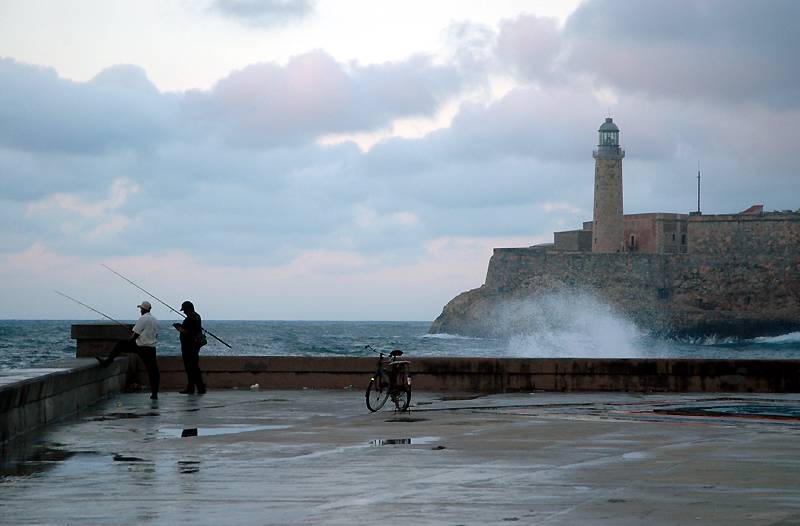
(608, 231)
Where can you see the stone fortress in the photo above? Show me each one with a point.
(675, 274)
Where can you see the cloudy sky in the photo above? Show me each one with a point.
(302, 159)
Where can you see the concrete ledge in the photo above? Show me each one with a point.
(493, 375)
(30, 398)
(480, 375)
(98, 339)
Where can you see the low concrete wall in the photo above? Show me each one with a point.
(30, 398)
(493, 375)
(481, 375)
(98, 339)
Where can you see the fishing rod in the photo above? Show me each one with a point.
(92, 309)
(163, 303)
(140, 288)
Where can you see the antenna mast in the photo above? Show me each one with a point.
(698, 187)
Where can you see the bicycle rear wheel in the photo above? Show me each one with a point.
(402, 398)
(377, 393)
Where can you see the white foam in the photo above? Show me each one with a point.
(567, 325)
(791, 337)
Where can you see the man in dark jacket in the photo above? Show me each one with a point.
(191, 331)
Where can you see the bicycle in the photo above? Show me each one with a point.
(391, 380)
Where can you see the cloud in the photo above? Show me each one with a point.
(263, 13)
(92, 221)
(529, 46)
(40, 111)
(313, 95)
(715, 50)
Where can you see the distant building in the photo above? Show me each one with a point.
(673, 274)
(613, 231)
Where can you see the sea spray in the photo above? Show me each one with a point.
(567, 324)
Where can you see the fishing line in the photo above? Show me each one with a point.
(163, 303)
(91, 308)
(146, 292)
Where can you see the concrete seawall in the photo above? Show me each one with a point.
(30, 398)
(480, 375)
(492, 375)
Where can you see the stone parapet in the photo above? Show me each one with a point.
(30, 398)
(97, 339)
(493, 375)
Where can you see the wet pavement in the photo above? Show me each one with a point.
(319, 457)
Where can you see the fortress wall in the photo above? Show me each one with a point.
(777, 233)
(717, 293)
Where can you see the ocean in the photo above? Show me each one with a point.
(24, 343)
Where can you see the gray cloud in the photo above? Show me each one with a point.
(313, 95)
(529, 46)
(41, 112)
(263, 13)
(715, 50)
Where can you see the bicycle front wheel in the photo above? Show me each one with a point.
(377, 393)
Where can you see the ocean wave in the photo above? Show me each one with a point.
(710, 341)
(447, 336)
(792, 337)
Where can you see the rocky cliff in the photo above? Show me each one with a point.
(724, 294)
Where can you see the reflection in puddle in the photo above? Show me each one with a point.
(121, 416)
(124, 458)
(188, 466)
(167, 432)
(771, 411)
(62, 462)
(40, 460)
(402, 441)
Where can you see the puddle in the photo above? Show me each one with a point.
(40, 460)
(403, 441)
(122, 458)
(452, 398)
(776, 412)
(120, 416)
(167, 432)
(57, 461)
(636, 455)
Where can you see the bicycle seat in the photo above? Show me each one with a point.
(396, 353)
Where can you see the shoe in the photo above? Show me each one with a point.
(201, 390)
(187, 391)
(154, 396)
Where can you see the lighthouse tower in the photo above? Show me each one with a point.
(608, 231)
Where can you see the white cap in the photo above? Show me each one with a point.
(145, 305)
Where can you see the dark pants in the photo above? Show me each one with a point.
(148, 356)
(191, 361)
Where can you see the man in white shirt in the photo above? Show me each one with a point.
(143, 344)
